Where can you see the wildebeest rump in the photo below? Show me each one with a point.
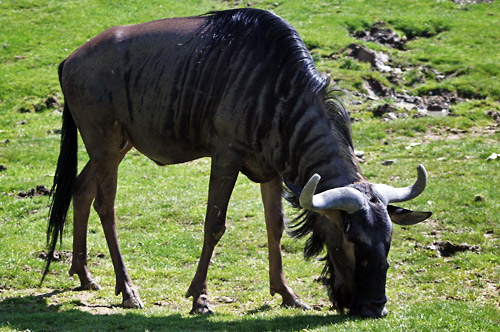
(238, 86)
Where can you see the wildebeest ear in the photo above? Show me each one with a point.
(406, 217)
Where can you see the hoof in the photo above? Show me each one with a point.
(133, 303)
(89, 286)
(204, 311)
(201, 307)
(297, 303)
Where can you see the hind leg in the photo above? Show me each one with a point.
(106, 178)
(84, 195)
(85, 192)
(106, 146)
(104, 205)
(275, 223)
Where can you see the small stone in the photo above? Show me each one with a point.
(492, 156)
(225, 299)
(359, 154)
(383, 109)
(479, 198)
(494, 115)
(388, 162)
(52, 102)
(161, 303)
(392, 116)
(412, 145)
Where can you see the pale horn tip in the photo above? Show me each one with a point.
(306, 196)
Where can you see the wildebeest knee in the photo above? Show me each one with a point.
(104, 210)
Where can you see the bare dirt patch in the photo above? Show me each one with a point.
(455, 134)
(58, 256)
(448, 249)
(87, 302)
(469, 2)
(381, 34)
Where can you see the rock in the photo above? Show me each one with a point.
(359, 154)
(43, 190)
(225, 299)
(412, 145)
(38, 191)
(388, 162)
(364, 54)
(3, 168)
(374, 88)
(438, 105)
(468, 2)
(361, 53)
(39, 107)
(447, 249)
(494, 115)
(380, 34)
(479, 198)
(52, 102)
(58, 256)
(492, 156)
(391, 116)
(161, 303)
(22, 194)
(383, 109)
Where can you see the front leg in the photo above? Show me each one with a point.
(224, 172)
(275, 223)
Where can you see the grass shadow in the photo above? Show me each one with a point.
(35, 313)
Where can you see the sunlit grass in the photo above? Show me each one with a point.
(161, 210)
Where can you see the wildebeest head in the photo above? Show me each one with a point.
(354, 222)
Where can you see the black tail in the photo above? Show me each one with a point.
(64, 182)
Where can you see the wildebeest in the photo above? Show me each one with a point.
(238, 86)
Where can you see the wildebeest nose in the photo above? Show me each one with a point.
(374, 311)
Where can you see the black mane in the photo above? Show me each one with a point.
(340, 124)
(270, 34)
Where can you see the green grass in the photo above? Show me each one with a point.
(161, 210)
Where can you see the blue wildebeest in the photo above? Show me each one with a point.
(238, 86)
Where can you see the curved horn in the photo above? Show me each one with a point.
(390, 194)
(347, 199)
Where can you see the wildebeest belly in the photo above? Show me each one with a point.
(165, 150)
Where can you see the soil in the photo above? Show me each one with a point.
(468, 2)
(447, 249)
(383, 35)
(59, 256)
(434, 103)
(40, 190)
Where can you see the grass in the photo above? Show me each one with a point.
(161, 210)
